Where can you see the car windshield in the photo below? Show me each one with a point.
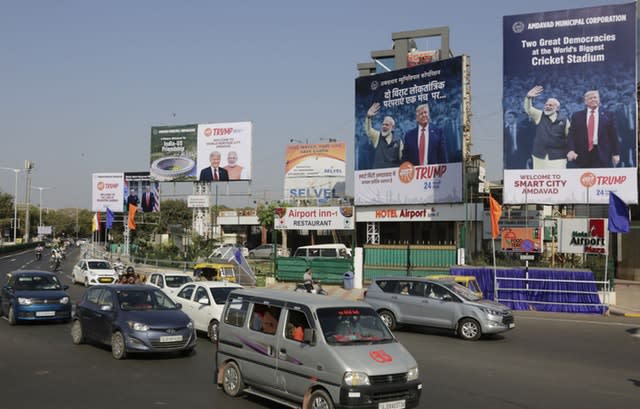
(461, 291)
(349, 325)
(139, 300)
(37, 283)
(220, 294)
(177, 281)
(99, 265)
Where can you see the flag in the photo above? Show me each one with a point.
(95, 223)
(109, 218)
(132, 217)
(495, 209)
(619, 221)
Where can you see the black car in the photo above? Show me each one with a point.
(132, 318)
(34, 296)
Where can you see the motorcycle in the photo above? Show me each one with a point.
(317, 288)
(38, 253)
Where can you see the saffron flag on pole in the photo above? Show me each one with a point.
(95, 223)
(619, 221)
(132, 216)
(109, 218)
(495, 209)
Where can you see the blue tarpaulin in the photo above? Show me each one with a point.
(558, 290)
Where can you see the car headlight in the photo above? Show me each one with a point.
(356, 379)
(190, 325)
(64, 300)
(25, 301)
(138, 326)
(413, 373)
(491, 311)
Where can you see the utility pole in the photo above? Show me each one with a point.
(28, 165)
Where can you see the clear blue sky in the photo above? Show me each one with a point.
(82, 82)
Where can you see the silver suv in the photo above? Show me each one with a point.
(441, 304)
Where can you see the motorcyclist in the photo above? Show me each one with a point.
(38, 250)
(307, 278)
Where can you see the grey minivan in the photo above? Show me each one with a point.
(440, 304)
(303, 350)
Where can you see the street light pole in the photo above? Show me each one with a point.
(40, 188)
(15, 202)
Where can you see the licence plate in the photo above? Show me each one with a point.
(395, 404)
(171, 338)
(512, 325)
(45, 313)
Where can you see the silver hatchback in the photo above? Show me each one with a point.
(440, 304)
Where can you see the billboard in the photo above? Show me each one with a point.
(174, 153)
(583, 236)
(315, 173)
(141, 191)
(201, 152)
(569, 105)
(107, 191)
(408, 136)
(227, 146)
(314, 218)
(521, 239)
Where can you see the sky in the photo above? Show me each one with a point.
(82, 82)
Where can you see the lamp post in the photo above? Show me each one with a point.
(15, 202)
(40, 188)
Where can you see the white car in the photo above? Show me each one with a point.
(168, 281)
(91, 271)
(203, 302)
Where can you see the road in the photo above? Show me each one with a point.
(548, 361)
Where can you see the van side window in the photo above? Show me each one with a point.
(296, 324)
(332, 253)
(264, 318)
(236, 312)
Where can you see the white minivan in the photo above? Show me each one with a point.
(300, 349)
(336, 250)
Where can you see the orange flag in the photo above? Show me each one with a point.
(496, 212)
(132, 216)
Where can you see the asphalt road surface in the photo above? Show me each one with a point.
(547, 361)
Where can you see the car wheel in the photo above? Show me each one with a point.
(118, 347)
(469, 329)
(11, 315)
(76, 332)
(388, 318)
(212, 332)
(320, 399)
(232, 382)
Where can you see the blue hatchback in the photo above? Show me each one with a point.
(34, 296)
(132, 318)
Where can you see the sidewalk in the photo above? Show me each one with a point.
(627, 298)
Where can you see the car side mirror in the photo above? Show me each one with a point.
(65, 287)
(178, 306)
(447, 297)
(106, 308)
(203, 301)
(309, 336)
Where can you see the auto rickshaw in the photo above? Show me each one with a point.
(468, 281)
(215, 272)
